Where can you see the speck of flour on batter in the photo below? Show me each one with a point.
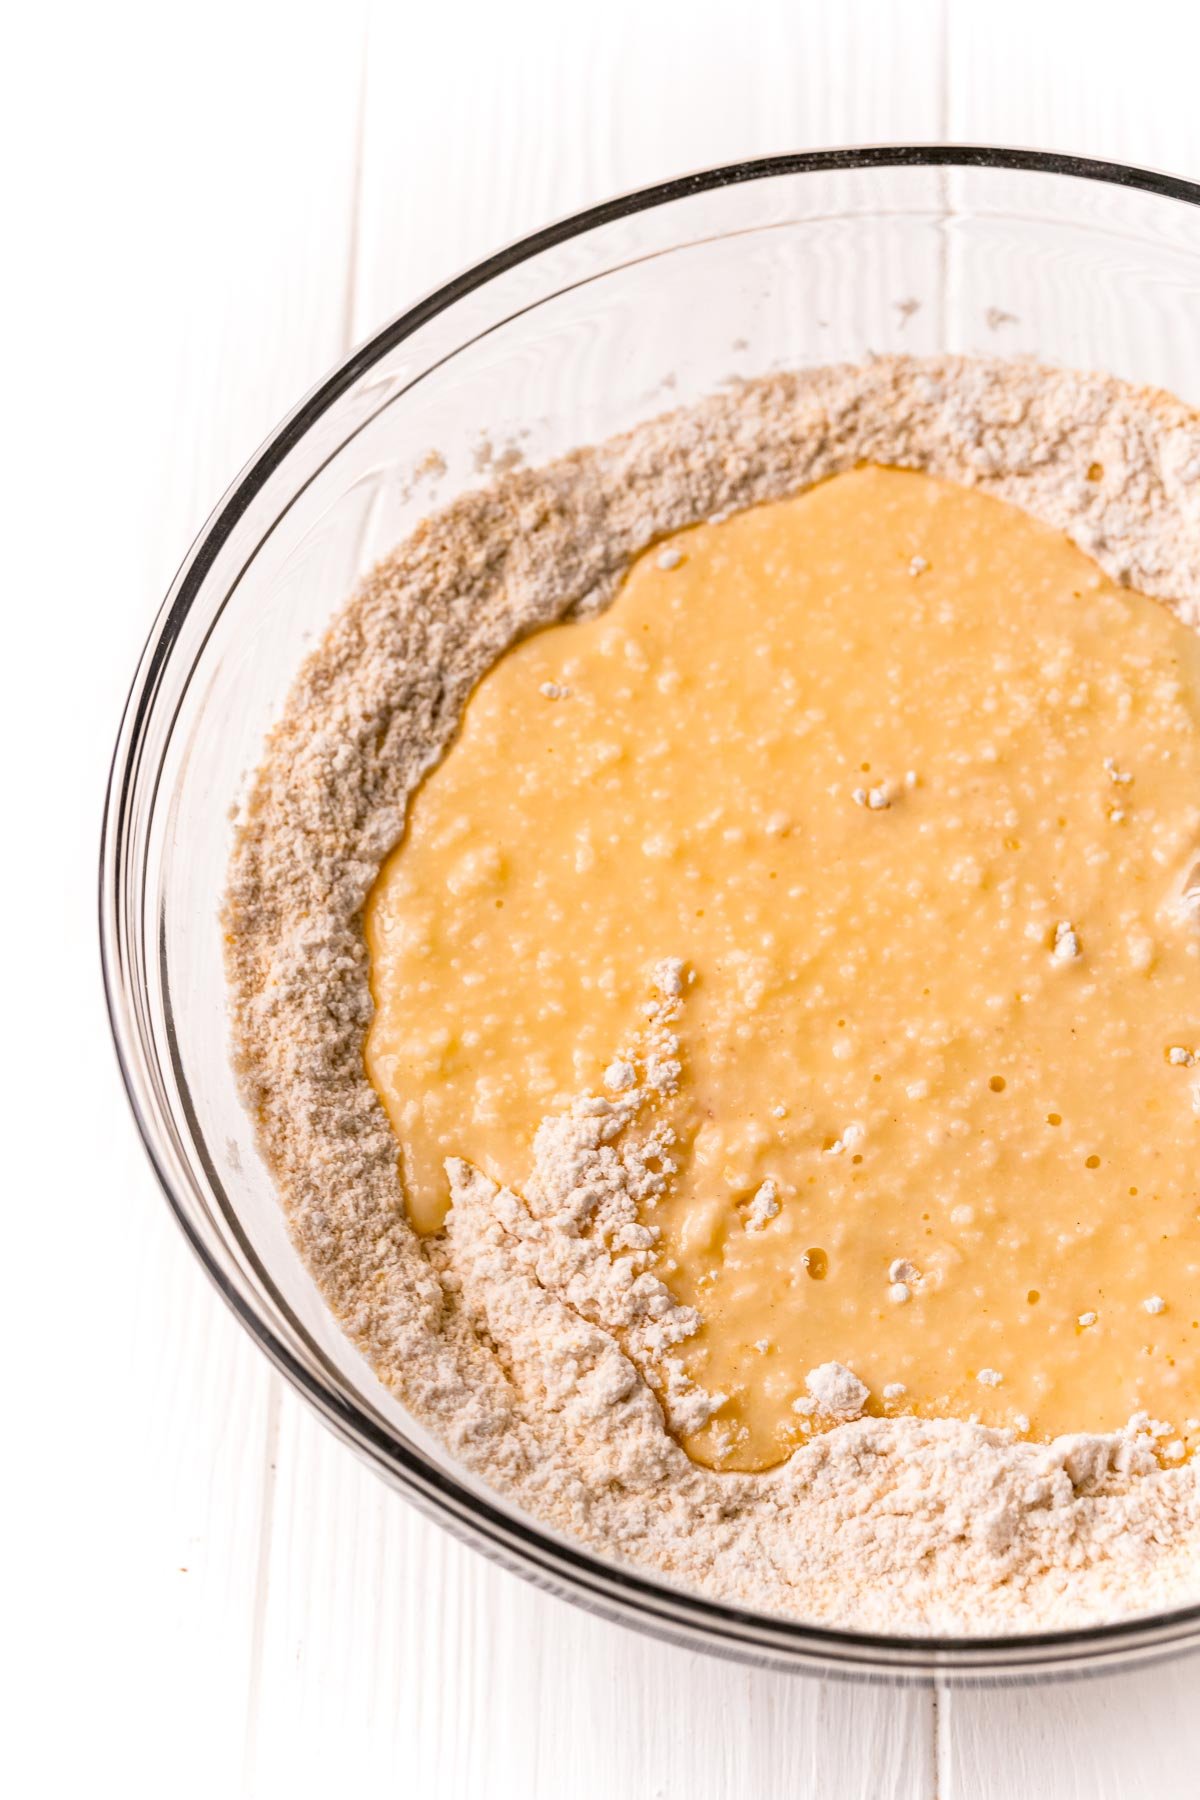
(523, 1333)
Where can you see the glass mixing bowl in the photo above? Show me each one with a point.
(583, 330)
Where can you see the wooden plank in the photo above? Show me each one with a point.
(1098, 79)
(1123, 1737)
(182, 221)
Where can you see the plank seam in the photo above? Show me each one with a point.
(262, 1581)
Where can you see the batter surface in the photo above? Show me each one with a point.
(909, 790)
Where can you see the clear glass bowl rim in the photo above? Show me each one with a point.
(541, 1556)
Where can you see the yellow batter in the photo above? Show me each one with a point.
(913, 791)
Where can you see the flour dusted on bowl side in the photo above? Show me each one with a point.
(525, 1334)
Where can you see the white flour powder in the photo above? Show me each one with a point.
(519, 1334)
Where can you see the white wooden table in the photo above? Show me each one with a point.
(205, 1594)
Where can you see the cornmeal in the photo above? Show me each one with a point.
(774, 830)
(911, 792)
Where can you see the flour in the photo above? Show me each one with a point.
(532, 1335)
(1066, 942)
(764, 1207)
(836, 1391)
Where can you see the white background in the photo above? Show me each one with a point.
(204, 207)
